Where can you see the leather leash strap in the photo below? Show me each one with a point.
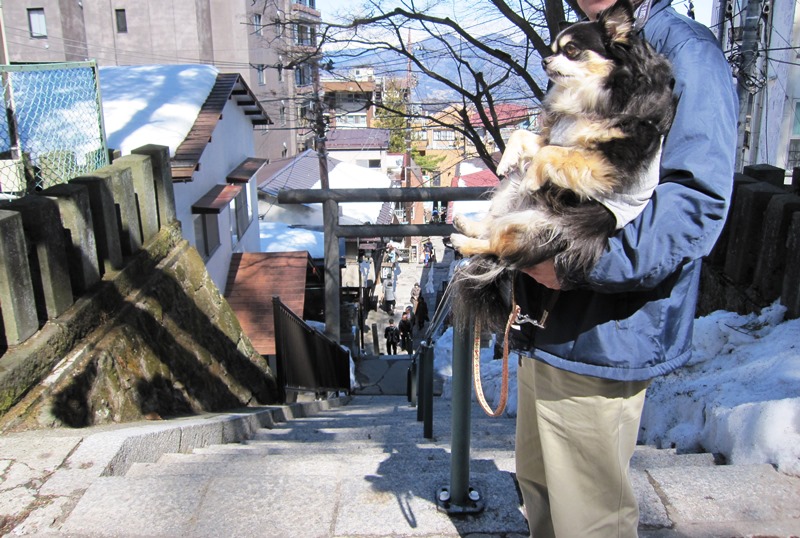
(476, 365)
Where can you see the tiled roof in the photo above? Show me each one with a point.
(254, 278)
(386, 216)
(361, 139)
(484, 178)
(298, 172)
(228, 85)
(507, 114)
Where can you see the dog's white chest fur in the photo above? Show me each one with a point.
(626, 205)
(562, 131)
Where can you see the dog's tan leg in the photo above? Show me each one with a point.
(470, 246)
(584, 172)
(471, 228)
(522, 145)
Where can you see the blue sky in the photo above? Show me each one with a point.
(329, 7)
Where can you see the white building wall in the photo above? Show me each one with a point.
(782, 91)
(361, 157)
(231, 143)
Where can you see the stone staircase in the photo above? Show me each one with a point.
(365, 470)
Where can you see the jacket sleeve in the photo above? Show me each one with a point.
(687, 211)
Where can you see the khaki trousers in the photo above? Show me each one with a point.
(575, 438)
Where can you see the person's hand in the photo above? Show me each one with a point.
(544, 273)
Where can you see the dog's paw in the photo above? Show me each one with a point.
(521, 146)
(458, 241)
(509, 162)
(460, 223)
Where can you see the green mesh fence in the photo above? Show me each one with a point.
(52, 129)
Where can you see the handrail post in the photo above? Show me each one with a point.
(459, 498)
(427, 383)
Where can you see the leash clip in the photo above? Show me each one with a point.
(538, 323)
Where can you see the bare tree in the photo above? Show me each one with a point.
(488, 56)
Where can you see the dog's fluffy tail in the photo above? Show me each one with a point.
(481, 289)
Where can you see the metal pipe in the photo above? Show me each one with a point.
(462, 404)
(417, 194)
(427, 381)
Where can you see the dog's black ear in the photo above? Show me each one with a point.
(617, 22)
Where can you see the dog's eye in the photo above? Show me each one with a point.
(571, 50)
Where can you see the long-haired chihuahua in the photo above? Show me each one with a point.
(590, 170)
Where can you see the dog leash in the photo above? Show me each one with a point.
(476, 364)
(513, 317)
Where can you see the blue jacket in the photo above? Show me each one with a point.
(633, 317)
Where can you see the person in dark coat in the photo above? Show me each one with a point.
(392, 336)
(422, 312)
(406, 342)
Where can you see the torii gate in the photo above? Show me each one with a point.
(330, 199)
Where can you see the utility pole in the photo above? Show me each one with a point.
(330, 218)
(747, 72)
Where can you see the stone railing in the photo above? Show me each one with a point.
(57, 244)
(757, 259)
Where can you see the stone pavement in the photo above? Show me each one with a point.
(430, 280)
(337, 468)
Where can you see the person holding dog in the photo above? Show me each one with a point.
(583, 377)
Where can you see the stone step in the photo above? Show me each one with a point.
(390, 501)
(649, 457)
(364, 464)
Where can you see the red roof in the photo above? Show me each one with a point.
(483, 178)
(507, 114)
(254, 278)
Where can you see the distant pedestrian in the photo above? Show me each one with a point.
(421, 313)
(388, 296)
(429, 252)
(391, 255)
(406, 342)
(364, 267)
(415, 291)
(392, 336)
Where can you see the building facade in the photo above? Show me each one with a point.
(264, 41)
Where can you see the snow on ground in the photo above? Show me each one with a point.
(739, 396)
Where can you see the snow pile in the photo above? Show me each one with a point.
(739, 396)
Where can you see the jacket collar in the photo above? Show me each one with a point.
(647, 9)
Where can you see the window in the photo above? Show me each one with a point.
(280, 73)
(206, 234)
(302, 75)
(793, 158)
(279, 28)
(260, 73)
(310, 3)
(241, 214)
(282, 113)
(122, 21)
(36, 22)
(374, 163)
(305, 35)
(444, 135)
(258, 28)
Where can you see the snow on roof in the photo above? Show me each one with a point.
(152, 104)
